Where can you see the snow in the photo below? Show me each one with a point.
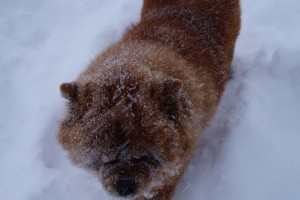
(250, 151)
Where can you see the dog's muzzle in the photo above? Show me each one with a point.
(126, 187)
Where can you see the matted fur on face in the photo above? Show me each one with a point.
(126, 130)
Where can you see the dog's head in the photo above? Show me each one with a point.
(127, 129)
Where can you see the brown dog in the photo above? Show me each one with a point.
(135, 114)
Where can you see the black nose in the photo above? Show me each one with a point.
(126, 187)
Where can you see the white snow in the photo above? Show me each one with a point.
(250, 151)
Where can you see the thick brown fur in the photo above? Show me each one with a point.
(137, 111)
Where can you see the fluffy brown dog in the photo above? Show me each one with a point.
(135, 114)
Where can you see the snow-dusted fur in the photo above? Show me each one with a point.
(137, 111)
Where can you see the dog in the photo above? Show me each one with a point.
(136, 113)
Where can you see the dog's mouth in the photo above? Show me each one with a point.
(130, 177)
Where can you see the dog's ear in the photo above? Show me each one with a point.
(172, 85)
(166, 94)
(69, 91)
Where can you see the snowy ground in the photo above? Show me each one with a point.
(251, 151)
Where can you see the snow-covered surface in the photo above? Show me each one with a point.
(251, 151)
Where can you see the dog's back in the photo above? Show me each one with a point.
(202, 31)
